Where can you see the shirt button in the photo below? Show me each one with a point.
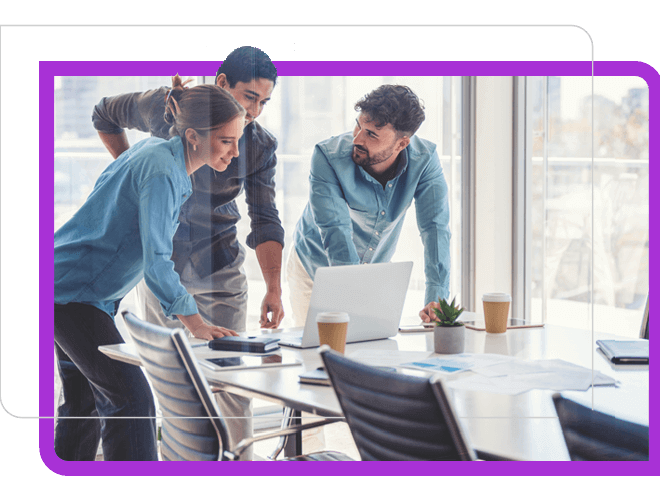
(377, 233)
(382, 213)
(371, 249)
(390, 185)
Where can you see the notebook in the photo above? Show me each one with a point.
(244, 344)
(625, 351)
(373, 296)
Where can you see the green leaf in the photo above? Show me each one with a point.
(448, 313)
(445, 308)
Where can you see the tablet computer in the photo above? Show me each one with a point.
(247, 362)
(473, 325)
(513, 323)
(633, 352)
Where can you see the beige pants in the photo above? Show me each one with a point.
(300, 288)
(300, 294)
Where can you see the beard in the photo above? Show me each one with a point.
(366, 160)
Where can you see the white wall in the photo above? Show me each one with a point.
(494, 181)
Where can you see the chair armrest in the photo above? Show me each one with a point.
(247, 442)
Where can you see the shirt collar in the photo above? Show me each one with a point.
(403, 163)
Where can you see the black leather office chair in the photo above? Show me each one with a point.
(592, 435)
(193, 428)
(394, 416)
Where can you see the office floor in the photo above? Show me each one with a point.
(335, 437)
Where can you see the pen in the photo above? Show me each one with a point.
(203, 344)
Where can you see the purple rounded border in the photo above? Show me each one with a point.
(47, 72)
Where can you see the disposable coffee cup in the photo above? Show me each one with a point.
(496, 311)
(332, 329)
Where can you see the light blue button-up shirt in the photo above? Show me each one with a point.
(124, 232)
(351, 219)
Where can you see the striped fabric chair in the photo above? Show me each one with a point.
(192, 428)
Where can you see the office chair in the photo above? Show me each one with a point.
(592, 435)
(397, 417)
(644, 330)
(193, 428)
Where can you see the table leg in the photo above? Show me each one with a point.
(291, 444)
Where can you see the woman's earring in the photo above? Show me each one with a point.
(194, 147)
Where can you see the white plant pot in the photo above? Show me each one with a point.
(449, 339)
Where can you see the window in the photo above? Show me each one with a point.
(80, 156)
(590, 232)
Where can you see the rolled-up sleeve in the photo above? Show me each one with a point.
(157, 204)
(265, 223)
(432, 208)
(139, 110)
(330, 212)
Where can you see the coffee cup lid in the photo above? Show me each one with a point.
(496, 297)
(332, 317)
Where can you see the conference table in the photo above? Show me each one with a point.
(519, 427)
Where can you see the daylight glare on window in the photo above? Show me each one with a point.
(590, 227)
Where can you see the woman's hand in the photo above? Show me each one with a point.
(202, 330)
(209, 332)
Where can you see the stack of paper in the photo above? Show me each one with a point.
(457, 363)
(508, 375)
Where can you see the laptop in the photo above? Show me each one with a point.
(373, 296)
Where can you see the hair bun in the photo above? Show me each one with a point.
(170, 106)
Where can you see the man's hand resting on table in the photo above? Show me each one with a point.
(427, 313)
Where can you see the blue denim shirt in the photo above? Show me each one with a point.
(351, 219)
(124, 232)
(207, 234)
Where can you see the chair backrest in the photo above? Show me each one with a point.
(192, 427)
(592, 435)
(644, 330)
(394, 416)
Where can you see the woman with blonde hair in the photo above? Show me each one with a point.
(122, 233)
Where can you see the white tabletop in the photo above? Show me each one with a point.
(523, 427)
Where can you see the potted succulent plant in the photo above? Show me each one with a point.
(448, 334)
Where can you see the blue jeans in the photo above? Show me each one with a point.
(94, 385)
